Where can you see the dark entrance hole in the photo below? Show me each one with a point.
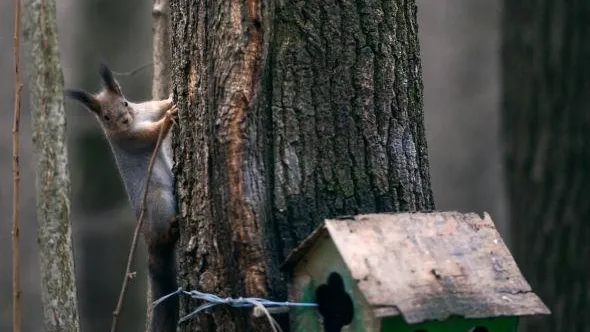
(334, 304)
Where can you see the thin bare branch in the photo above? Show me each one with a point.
(133, 71)
(16, 319)
(128, 274)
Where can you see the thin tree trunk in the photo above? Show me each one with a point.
(546, 123)
(161, 49)
(53, 182)
(160, 86)
(290, 112)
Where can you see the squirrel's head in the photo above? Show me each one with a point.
(113, 111)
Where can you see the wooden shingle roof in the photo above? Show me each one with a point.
(428, 266)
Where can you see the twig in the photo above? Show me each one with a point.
(134, 71)
(128, 273)
(16, 319)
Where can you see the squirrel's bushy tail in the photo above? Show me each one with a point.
(162, 271)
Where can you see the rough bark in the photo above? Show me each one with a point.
(160, 86)
(52, 180)
(546, 124)
(290, 112)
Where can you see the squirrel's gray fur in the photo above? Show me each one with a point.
(132, 131)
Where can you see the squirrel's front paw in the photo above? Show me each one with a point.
(171, 114)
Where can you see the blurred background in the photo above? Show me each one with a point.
(460, 43)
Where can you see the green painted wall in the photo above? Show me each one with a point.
(321, 260)
(453, 324)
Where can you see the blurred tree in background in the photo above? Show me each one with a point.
(119, 33)
(546, 127)
(54, 230)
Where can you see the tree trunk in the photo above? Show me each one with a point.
(53, 182)
(546, 124)
(290, 112)
(161, 49)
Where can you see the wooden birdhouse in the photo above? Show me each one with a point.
(408, 272)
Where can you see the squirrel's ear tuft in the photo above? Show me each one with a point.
(85, 98)
(109, 80)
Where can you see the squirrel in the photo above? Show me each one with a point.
(132, 131)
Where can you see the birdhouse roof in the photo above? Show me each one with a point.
(429, 266)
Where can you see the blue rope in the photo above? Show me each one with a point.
(213, 300)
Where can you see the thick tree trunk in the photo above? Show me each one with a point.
(53, 182)
(546, 131)
(290, 112)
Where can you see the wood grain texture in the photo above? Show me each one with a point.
(430, 266)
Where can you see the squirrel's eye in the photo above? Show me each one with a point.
(106, 117)
(125, 104)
